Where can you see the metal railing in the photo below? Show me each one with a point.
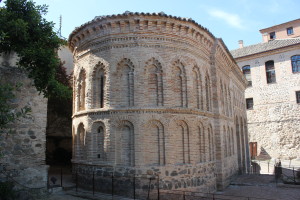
(145, 186)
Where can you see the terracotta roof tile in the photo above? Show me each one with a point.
(263, 47)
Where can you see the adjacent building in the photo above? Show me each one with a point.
(272, 97)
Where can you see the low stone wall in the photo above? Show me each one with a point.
(140, 181)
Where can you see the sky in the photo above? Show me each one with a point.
(231, 20)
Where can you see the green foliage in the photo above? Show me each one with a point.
(7, 114)
(23, 30)
(59, 106)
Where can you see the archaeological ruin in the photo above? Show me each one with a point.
(156, 95)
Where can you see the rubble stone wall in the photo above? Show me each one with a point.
(23, 144)
(274, 121)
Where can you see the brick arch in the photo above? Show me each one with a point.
(179, 88)
(230, 144)
(80, 141)
(225, 142)
(211, 142)
(81, 90)
(183, 144)
(200, 141)
(238, 142)
(154, 82)
(208, 92)
(99, 85)
(98, 131)
(154, 143)
(222, 96)
(197, 88)
(125, 143)
(125, 76)
(125, 62)
(156, 56)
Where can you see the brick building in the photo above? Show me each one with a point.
(157, 94)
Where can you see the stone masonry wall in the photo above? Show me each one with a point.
(24, 149)
(274, 121)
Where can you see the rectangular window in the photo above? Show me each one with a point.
(295, 63)
(249, 103)
(270, 72)
(290, 31)
(247, 73)
(298, 96)
(272, 36)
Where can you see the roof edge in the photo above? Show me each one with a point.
(127, 13)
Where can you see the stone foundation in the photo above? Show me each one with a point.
(127, 180)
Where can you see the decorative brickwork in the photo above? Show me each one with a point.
(152, 101)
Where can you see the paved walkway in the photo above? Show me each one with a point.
(262, 186)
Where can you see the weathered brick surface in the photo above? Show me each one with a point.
(158, 92)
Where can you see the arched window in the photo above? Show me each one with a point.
(126, 80)
(247, 73)
(98, 86)
(208, 93)
(154, 83)
(222, 97)
(180, 85)
(232, 142)
(99, 135)
(270, 71)
(80, 142)
(154, 143)
(81, 91)
(201, 141)
(125, 144)
(183, 143)
(295, 63)
(225, 142)
(197, 88)
(211, 145)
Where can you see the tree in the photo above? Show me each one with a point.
(24, 30)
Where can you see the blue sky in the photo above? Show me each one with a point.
(231, 20)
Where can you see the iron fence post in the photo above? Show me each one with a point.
(93, 183)
(61, 176)
(112, 186)
(133, 186)
(294, 175)
(157, 187)
(149, 188)
(76, 180)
